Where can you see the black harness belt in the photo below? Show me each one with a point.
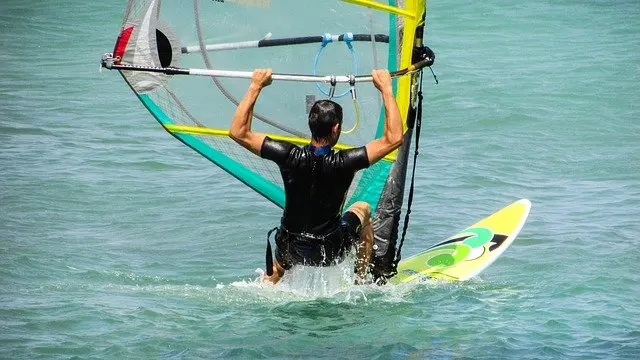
(317, 250)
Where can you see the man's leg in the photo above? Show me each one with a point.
(282, 259)
(278, 272)
(364, 244)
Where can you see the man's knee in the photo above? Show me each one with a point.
(362, 210)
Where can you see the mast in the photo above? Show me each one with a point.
(386, 219)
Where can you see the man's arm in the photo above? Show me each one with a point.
(392, 137)
(241, 125)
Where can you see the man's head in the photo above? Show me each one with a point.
(325, 121)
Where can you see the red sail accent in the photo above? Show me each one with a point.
(121, 44)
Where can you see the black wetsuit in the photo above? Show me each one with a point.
(316, 181)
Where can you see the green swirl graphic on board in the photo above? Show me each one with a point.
(454, 252)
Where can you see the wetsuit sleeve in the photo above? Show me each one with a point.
(355, 159)
(274, 150)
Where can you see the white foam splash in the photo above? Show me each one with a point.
(334, 283)
(310, 282)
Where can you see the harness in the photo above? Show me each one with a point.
(294, 248)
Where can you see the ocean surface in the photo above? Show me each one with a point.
(116, 241)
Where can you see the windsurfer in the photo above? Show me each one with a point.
(316, 180)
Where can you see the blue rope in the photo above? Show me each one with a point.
(327, 39)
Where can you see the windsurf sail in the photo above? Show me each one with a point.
(188, 63)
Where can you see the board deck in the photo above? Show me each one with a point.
(469, 252)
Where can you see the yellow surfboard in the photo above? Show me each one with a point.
(469, 252)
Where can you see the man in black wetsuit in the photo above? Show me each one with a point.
(316, 179)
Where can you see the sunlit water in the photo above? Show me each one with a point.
(118, 241)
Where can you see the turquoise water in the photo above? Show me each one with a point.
(117, 241)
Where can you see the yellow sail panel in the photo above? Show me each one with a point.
(403, 96)
(194, 130)
(383, 7)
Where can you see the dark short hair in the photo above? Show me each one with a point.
(323, 116)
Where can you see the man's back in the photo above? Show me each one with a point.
(316, 184)
(316, 181)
